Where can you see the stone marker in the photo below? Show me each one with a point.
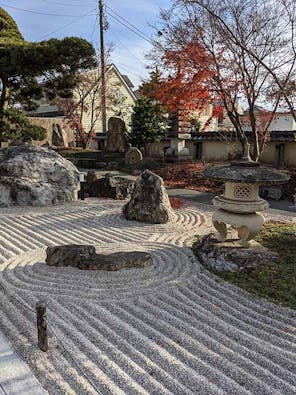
(36, 176)
(59, 136)
(91, 176)
(149, 202)
(133, 156)
(118, 188)
(117, 140)
(84, 257)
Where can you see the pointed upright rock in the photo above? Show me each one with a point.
(149, 202)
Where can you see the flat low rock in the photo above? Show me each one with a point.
(118, 188)
(149, 201)
(84, 257)
(68, 255)
(231, 255)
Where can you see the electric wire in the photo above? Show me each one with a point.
(127, 69)
(124, 47)
(67, 24)
(39, 13)
(94, 29)
(130, 24)
(111, 13)
(68, 4)
(129, 27)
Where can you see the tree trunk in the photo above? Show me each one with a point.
(3, 105)
(244, 143)
(256, 149)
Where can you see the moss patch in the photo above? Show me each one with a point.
(275, 281)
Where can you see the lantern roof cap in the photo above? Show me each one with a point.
(246, 172)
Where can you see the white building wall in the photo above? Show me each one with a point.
(283, 122)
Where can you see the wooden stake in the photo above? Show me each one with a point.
(82, 190)
(42, 326)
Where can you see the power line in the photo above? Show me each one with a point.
(67, 24)
(39, 13)
(127, 69)
(129, 27)
(132, 28)
(127, 49)
(94, 29)
(130, 24)
(68, 4)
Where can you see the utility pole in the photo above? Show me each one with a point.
(103, 68)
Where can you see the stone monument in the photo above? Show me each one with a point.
(149, 202)
(117, 140)
(59, 136)
(133, 156)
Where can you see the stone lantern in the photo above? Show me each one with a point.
(240, 204)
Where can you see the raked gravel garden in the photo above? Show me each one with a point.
(172, 328)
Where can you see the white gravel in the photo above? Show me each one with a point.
(172, 328)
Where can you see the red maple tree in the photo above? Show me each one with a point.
(186, 87)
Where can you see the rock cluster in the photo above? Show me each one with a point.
(36, 176)
(149, 202)
(118, 188)
(84, 257)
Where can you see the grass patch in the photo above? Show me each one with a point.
(275, 281)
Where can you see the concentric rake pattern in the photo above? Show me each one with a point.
(172, 328)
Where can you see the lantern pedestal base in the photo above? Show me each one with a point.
(248, 225)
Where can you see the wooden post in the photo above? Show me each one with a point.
(82, 190)
(82, 186)
(42, 326)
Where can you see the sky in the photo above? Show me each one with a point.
(129, 49)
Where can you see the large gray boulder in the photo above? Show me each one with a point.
(149, 202)
(36, 176)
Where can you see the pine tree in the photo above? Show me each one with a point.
(149, 122)
(28, 71)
